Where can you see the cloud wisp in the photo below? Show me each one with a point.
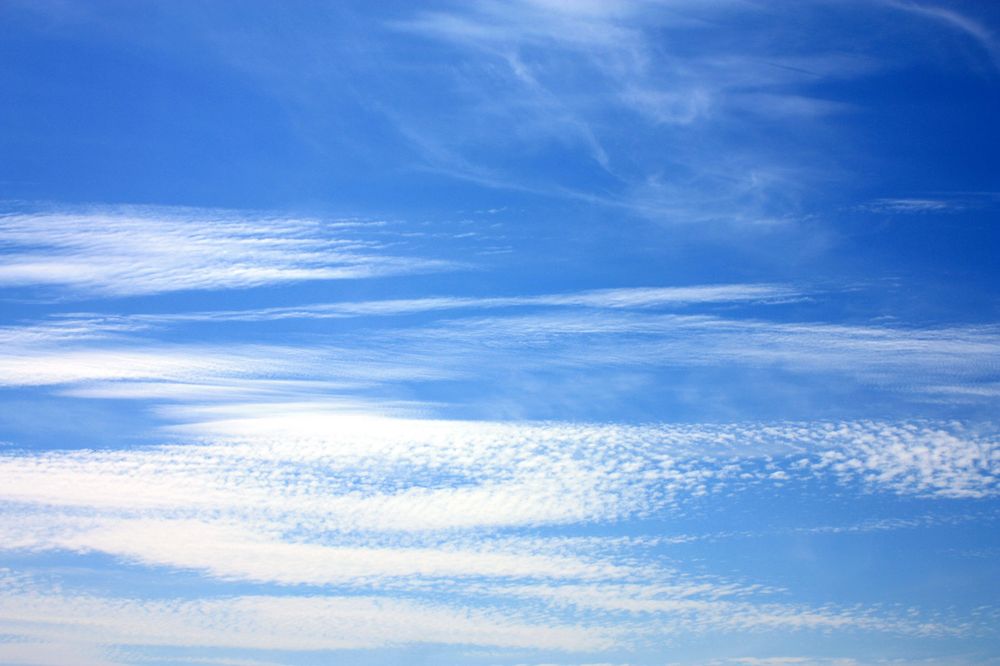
(272, 623)
(613, 299)
(611, 328)
(132, 251)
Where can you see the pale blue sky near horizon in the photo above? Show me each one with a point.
(528, 332)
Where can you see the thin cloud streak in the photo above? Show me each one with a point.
(127, 252)
(623, 298)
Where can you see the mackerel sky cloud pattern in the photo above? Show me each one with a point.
(495, 333)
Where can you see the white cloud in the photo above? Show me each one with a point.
(148, 369)
(678, 612)
(407, 507)
(625, 298)
(252, 551)
(85, 355)
(925, 461)
(29, 653)
(572, 617)
(276, 623)
(913, 205)
(784, 661)
(904, 357)
(335, 473)
(129, 251)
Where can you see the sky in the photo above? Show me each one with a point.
(539, 332)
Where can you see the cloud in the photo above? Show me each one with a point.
(247, 547)
(421, 518)
(329, 473)
(938, 465)
(954, 20)
(623, 298)
(131, 251)
(950, 660)
(899, 357)
(305, 490)
(573, 617)
(107, 356)
(29, 653)
(914, 205)
(554, 76)
(142, 368)
(685, 613)
(276, 623)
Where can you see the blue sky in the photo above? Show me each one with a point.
(495, 333)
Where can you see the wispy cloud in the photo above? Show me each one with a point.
(627, 329)
(623, 298)
(688, 614)
(128, 251)
(913, 206)
(538, 53)
(275, 623)
(900, 358)
(955, 20)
